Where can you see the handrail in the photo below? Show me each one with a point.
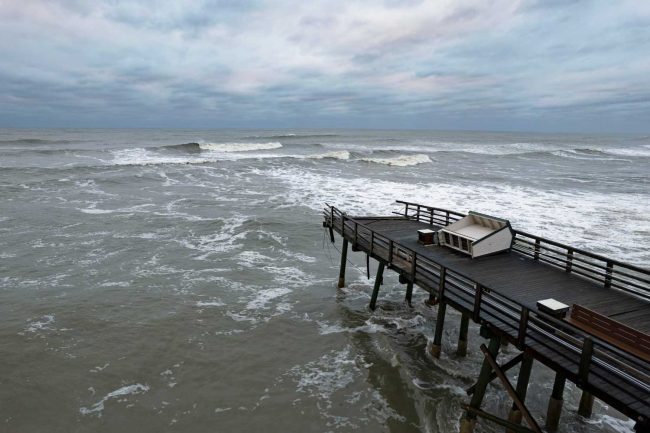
(520, 324)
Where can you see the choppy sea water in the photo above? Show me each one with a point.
(156, 280)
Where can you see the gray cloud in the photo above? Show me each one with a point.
(507, 64)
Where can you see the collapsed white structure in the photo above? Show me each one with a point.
(477, 235)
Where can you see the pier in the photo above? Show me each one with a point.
(602, 344)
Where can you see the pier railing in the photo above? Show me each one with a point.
(586, 360)
(609, 272)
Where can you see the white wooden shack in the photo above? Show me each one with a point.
(477, 235)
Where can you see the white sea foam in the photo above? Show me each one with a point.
(212, 303)
(332, 372)
(239, 147)
(401, 161)
(141, 156)
(581, 218)
(335, 154)
(125, 390)
(265, 296)
(42, 324)
(643, 151)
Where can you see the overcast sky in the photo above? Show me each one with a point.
(555, 65)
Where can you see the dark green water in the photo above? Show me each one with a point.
(147, 286)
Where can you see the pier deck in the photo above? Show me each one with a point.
(526, 281)
(501, 291)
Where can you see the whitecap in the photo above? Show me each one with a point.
(239, 147)
(125, 390)
(265, 296)
(336, 154)
(214, 303)
(400, 161)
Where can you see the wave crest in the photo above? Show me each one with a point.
(401, 161)
(239, 147)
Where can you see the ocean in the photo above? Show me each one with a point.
(181, 280)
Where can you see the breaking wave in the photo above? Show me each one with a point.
(239, 147)
(401, 161)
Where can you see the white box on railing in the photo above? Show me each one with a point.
(477, 235)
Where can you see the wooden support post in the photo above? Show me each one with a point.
(440, 323)
(344, 258)
(409, 293)
(510, 390)
(468, 421)
(555, 403)
(586, 405)
(378, 279)
(462, 335)
(522, 387)
(505, 367)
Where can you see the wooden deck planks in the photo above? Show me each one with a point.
(521, 278)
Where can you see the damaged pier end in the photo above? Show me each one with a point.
(583, 315)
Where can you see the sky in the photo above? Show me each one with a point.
(555, 65)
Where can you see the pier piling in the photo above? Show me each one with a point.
(462, 335)
(525, 369)
(440, 323)
(555, 403)
(409, 293)
(378, 281)
(468, 421)
(344, 258)
(586, 404)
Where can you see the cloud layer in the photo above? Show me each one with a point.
(475, 64)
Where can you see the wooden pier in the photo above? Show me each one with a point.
(603, 346)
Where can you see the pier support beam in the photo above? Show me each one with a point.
(344, 258)
(555, 403)
(378, 281)
(525, 369)
(440, 324)
(468, 421)
(462, 335)
(409, 293)
(586, 404)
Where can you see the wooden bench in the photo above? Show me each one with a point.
(611, 331)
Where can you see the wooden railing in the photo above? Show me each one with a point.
(593, 364)
(428, 214)
(609, 272)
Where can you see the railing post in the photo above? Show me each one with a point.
(356, 234)
(441, 282)
(418, 213)
(608, 274)
(343, 225)
(447, 217)
(413, 265)
(431, 216)
(523, 327)
(477, 303)
(390, 252)
(585, 360)
(406, 210)
(569, 259)
(536, 254)
(372, 241)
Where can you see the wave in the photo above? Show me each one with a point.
(141, 156)
(336, 154)
(401, 161)
(642, 151)
(239, 147)
(293, 136)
